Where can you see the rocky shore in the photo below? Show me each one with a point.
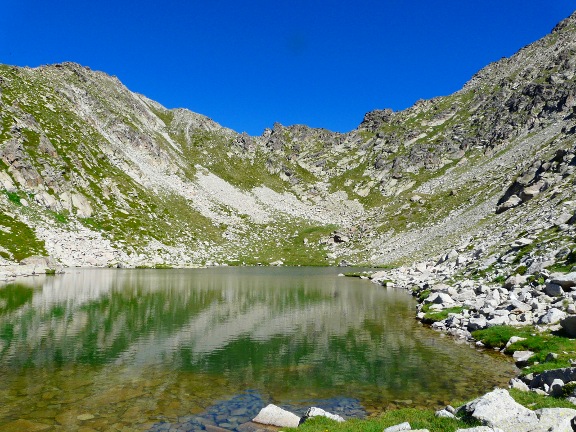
(497, 411)
(539, 298)
(468, 289)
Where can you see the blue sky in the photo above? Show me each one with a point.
(249, 63)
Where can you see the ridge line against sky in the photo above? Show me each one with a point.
(249, 64)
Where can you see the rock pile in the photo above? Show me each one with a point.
(452, 300)
(499, 412)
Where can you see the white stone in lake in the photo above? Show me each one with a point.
(319, 412)
(275, 416)
(514, 339)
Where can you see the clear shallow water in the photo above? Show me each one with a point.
(130, 348)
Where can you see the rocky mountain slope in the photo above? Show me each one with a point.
(92, 174)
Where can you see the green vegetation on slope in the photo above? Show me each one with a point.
(18, 240)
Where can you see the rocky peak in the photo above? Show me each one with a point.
(374, 119)
(566, 24)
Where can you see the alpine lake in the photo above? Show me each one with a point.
(119, 349)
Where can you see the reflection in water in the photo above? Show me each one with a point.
(132, 346)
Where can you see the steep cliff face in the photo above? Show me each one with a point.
(93, 174)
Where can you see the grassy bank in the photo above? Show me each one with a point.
(542, 343)
(552, 349)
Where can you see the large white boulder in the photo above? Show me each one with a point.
(553, 316)
(554, 420)
(497, 409)
(566, 281)
(439, 298)
(275, 416)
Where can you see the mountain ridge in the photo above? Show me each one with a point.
(98, 175)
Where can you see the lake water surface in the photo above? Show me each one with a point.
(128, 349)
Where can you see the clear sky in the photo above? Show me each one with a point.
(249, 63)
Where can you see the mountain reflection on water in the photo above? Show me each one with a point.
(196, 336)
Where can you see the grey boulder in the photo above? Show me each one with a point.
(566, 281)
(569, 325)
(554, 420)
(553, 290)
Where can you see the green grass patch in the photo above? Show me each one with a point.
(561, 267)
(500, 279)
(541, 343)
(535, 401)
(18, 240)
(424, 295)
(435, 316)
(292, 250)
(60, 217)
(357, 274)
(521, 270)
(498, 336)
(13, 197)
(418, 419)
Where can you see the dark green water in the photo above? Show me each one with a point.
(125, 348)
